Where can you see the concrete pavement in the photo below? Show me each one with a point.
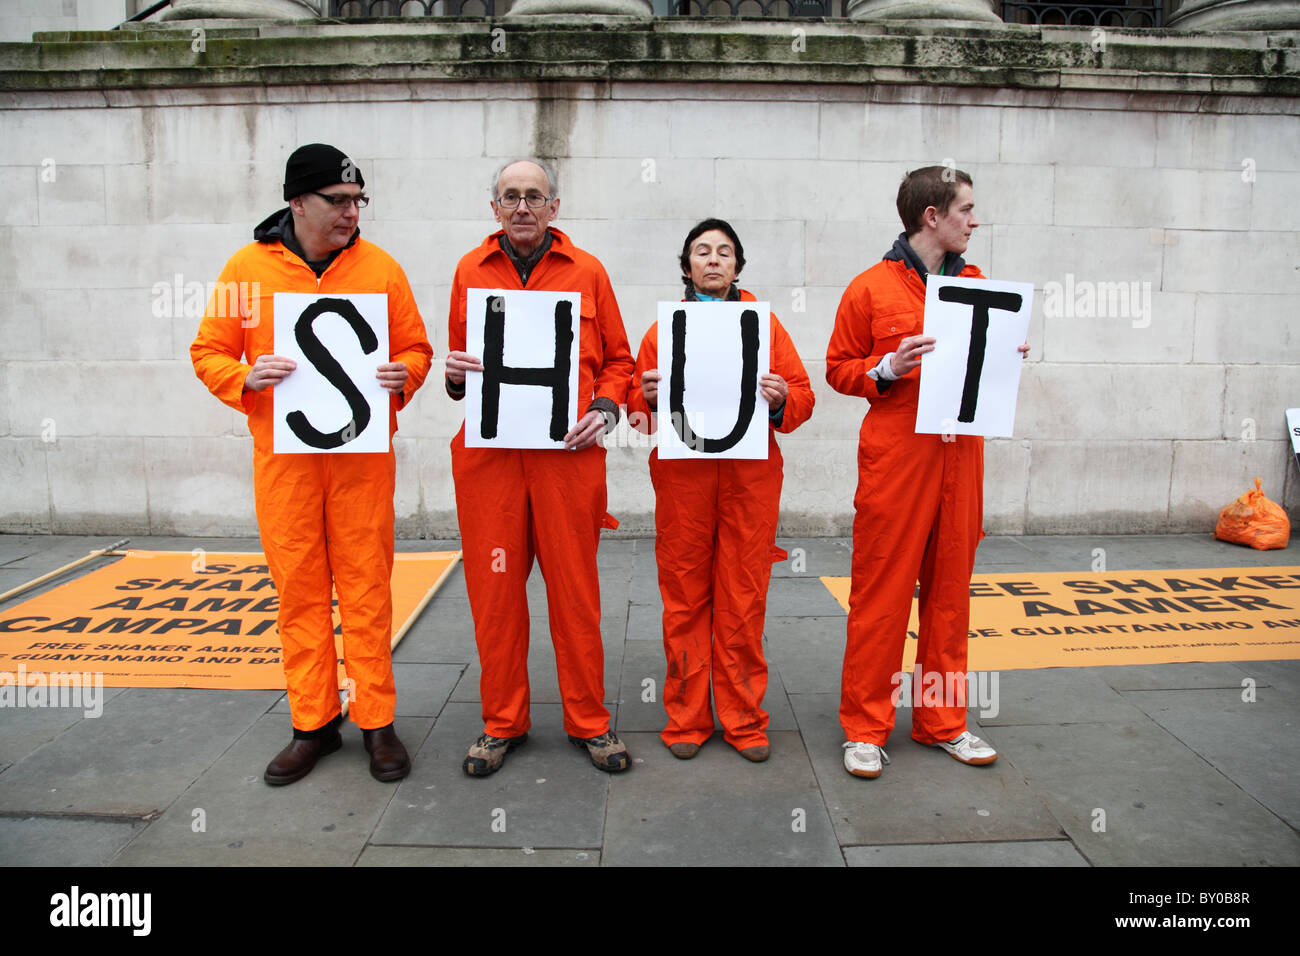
(1184, 771)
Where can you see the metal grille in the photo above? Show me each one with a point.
(368, 9)
(1083, 14)
(783, 9)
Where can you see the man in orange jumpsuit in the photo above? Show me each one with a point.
(517, 504)
(920, 498)
(324, 518)
(716, 529)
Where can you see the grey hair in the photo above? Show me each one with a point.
(552, 181)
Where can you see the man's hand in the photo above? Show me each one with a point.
(908, 354)
(774, 389)
(268, 371)
(585, 434)
(650, 385)
(392, 376)
(458, 363)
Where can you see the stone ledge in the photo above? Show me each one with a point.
(593, 49)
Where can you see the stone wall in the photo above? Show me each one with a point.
(1142, 415)
(19, 19)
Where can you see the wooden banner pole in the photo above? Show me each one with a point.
(67, 567)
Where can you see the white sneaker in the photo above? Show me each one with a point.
(969, 749)
(863, 760)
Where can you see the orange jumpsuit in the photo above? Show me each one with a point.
(919, 509)
(322, 517)
(517, 504)
(715, 525)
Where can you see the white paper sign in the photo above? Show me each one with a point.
(1293, 429)
(711, 356)
(332, 402)
(527, 394)
(969, 382)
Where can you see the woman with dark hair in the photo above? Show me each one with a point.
(715, 522)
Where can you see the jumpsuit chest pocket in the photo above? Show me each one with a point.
(890, 328)
(588, 328)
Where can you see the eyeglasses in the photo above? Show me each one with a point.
(511, 200)
(342, 202)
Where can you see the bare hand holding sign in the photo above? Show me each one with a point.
(972, 347)
(336, 399)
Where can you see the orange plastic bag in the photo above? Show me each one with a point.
(1255, 521)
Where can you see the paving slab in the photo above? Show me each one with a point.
(425, 856)
(643, 586)
(17, 547)
(1137, 552)
(422, 689)
(55, 841)
(1170, 676)
(1284, 676)
(230, 817)
(645, 622)
(1247, 741)
(444, 631)
(1053, 695)
(644, 661)
(1001, 551)
(802, 596)
(145, 750)
(24, 729)
(923, 795)
(718, 809)
(1163, 804)
(813, 557)
(809, 651)
(1022, 853)
(544, 684)
(547, 794)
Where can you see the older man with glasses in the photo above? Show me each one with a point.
(326, 520)
(517, 504)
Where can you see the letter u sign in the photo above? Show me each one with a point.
(716, 352)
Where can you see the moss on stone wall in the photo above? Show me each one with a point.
(837, 51)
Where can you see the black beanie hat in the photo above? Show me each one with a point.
(316, 165)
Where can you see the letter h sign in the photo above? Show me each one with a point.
(512, 328)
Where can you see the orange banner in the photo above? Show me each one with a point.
(1022, 620)
(177, 619)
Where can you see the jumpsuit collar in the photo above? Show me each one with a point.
(524, 265)
(561, 245)
(733, 294)
(903, 252)
(279, 227)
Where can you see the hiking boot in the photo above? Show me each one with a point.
(607, 752)
(488, 753)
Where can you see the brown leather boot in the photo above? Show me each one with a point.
(388, 758)
(296, 760)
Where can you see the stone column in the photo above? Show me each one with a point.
(242, 10)
(1219, 15)
(641, 9)
(978, 10)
